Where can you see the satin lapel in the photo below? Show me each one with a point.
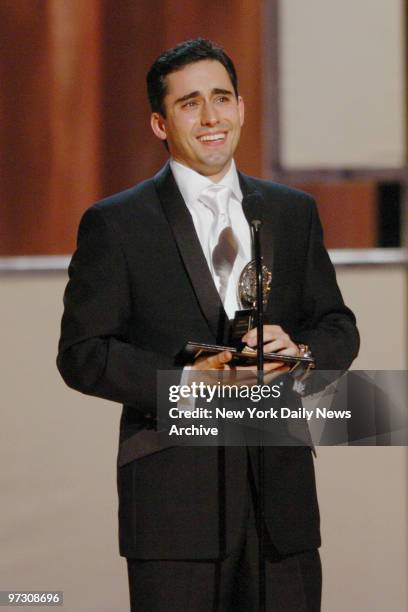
(270, 219)
(191, 252)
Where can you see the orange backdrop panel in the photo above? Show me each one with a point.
(75, 120)
(348, 211)
(49, 99)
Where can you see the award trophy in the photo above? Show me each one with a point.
(245, 319)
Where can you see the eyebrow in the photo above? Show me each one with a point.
(196, 94)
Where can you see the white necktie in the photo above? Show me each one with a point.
(222, 243)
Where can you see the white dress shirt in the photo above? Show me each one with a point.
(191, 184)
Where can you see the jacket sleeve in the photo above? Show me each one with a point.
(329, 327)
(95, 354)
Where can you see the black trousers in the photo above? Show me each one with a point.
(293, 582)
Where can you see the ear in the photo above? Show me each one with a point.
(158, 124)
(241, 110)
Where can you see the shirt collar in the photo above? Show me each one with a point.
(191, 183)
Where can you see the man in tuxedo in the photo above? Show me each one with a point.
(145, 279)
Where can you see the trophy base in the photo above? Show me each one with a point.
(242, 323)
(192, 350)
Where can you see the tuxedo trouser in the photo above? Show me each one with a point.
(293, 582)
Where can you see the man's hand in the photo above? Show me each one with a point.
(275, 339)
(218, 361)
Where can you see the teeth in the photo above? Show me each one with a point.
(212, 137)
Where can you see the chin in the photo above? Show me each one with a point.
(211, 169)
(217, 162)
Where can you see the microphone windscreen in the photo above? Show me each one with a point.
(252, 205)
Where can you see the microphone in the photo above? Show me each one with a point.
(252, 205)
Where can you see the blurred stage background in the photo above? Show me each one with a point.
(325, 86)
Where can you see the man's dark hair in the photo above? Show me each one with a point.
(187, 52)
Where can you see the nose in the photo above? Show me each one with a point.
(209, 114)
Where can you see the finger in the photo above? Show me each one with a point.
(219, 359)
(270, 366)
(246, 369)
(292, 351)
(223, 357)
(275, 346)
(271, 332)
(213, 362)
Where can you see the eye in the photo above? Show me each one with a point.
(222, 99)
(190, 104)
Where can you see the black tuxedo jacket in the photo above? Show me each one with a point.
(139, 288)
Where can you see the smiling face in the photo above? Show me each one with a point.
(203, 118)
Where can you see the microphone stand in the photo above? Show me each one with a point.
(260, 514)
